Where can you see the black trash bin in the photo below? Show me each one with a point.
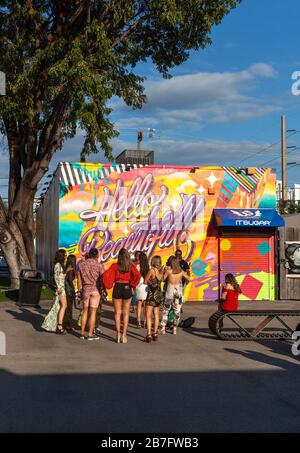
(31, 284)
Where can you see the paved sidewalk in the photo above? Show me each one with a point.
(191, 382)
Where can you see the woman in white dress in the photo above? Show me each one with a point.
(141, 289)
(54, 319)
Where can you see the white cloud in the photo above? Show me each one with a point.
(199, 152)
(134, 122)
(201, 87)
(263, 70)
(202, 98)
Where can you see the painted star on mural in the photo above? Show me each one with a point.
(201, 190)
(212, 179)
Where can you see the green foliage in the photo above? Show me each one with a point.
(81, 53)
(292, 207)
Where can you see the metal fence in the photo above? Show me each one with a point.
(293, 194)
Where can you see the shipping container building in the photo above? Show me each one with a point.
(223, 219)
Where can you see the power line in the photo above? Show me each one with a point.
(264, 149)
(276, 158)
(258, 152)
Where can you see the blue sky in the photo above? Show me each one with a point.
(226, 101)
(223, 105)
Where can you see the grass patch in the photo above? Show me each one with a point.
(7, 294)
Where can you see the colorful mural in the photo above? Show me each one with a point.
(157, 209)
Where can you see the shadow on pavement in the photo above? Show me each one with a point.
(220, 401)
(31, 317)
(282, 348)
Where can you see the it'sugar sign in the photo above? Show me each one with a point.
(2, 343)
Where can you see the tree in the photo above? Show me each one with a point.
(64, 60)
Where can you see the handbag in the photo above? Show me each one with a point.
(185, 324)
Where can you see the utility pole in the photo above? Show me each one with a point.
(139, 141)
(283, 162)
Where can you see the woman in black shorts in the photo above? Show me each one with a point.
(124, 277)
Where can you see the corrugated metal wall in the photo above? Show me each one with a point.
(47, 228)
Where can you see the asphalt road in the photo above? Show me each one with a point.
(191, 382)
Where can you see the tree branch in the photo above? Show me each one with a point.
(79, 11)
(50, 139)
(133, 27)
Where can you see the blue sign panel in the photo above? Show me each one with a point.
(248, 218)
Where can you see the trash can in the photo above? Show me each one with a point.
(31, 284)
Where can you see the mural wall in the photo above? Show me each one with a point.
(157, 209)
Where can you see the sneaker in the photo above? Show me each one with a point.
(82, 337)
(93, 337)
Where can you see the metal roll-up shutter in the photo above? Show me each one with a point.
(252, 261)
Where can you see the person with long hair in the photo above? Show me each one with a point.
(154, 298)
(53, 322)
(124, 277)
(70, 290)
(141, 289)
(174, 294)
(229, 296)
(89, 280)
(168, 267)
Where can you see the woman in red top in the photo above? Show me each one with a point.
(230, 295)
(124, 277)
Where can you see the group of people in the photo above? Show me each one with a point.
(148, 285)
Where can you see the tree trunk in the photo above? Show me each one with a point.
(12, 244)
(30, 153)
(21, 215)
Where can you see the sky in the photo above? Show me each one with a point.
(223, 105)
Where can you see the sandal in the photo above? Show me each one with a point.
(148, 339)
(155, 336)
(60, 331)
(138, 324)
